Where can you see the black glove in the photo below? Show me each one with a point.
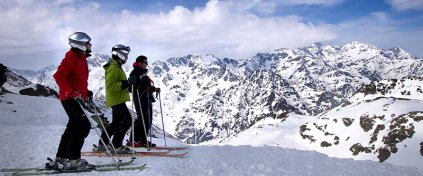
(90, 105)
(125, 84)
(132, 80)
(90, 94)
(79, 99)
(87, 104)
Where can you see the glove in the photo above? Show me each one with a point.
(125, 84)
(90, 105)
(77, 96)
(157, 92)
(87, 105)
(132, 80)
(90, 94)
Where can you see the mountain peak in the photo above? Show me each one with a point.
(193, 60)
(357, 51)
(396, 53)
(98, 59)
(204, 59)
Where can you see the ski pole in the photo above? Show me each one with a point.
(105, 131)
(161, 112)
(132, 128)
(150, 121)
(98, 133)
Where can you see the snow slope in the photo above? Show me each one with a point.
(31, 127)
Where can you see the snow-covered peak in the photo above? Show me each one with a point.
(358, 51)
(397, 53)
(194, 60)
(97, 59)
(282, 50)
(49, 68)
(205, 60)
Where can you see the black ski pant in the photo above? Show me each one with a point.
(76, 131)
(140, 133)
(121, 122)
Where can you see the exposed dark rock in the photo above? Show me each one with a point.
(358, 148)
(347, 121)
(3, 76)
(325, 144)
(368, 89)
(384, 154)
(303, 129)
(416, 116)
(379, 127)
(336, 138)
(39, 90)
(366, 123)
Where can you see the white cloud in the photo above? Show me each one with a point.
(36, 32)
(402, 5)
(39, 28)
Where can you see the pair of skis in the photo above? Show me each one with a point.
(154, 151)
(98, 168)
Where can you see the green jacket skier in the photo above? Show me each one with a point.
(116, 95)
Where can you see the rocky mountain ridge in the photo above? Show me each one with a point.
(205, 97)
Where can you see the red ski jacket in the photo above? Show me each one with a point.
(72, 76)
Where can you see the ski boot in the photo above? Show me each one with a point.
(77, 164)
(56, 164)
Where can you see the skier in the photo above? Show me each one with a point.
(72, 78)
(142, 93)
(116, 95)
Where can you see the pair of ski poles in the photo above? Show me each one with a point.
(108, 136)
(98, 133)
(142, 117)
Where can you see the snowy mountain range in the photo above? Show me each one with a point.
(210, 100)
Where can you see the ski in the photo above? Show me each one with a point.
(95, 153)
(162, 148)
(46, 169)
(139, 154)
(168, 148)
(101, 169)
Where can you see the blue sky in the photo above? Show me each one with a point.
(34, 32)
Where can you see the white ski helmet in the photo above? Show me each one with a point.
(121, 51)
(79, 40)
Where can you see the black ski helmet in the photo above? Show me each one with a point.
(79, 40)
(121, 51)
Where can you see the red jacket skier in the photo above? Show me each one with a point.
(72, 79)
